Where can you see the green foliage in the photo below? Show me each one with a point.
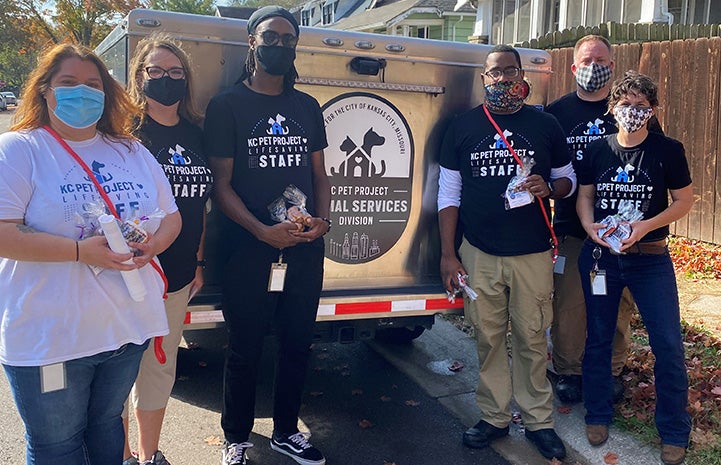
(198, 7)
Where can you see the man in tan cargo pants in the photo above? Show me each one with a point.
(505, 250)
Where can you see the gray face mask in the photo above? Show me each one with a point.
(593, 77)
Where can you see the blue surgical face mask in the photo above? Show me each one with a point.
(79, 106)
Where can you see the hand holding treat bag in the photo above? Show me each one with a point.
(516, 195)
(291, 207)
(618, 227)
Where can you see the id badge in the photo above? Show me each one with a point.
(52, 378)
(560, 265)
(598, 283)
(276, 281)
(518, 198)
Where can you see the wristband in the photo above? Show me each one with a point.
(551, 189)
(330, 224)
(201, 263)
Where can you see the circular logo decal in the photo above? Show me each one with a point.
(369, 161)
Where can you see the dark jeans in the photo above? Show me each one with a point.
(80, 424)
(250, 311)
(651, 280)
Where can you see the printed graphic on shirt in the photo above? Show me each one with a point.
(277, 142)
(492, 158)
(624, 182)
(585, 133)
(81, 198)
(186, 172)
(369, 162)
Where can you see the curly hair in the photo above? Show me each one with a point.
(633, 83)
(187, 107)
(33, 113)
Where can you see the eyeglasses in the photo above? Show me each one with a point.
(510, 72)
(156, 72)
(271, 38)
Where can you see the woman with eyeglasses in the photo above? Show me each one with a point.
(72, 335)
(634, 170)
(262, 135)
(161, 84)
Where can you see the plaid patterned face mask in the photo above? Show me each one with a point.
(593, 77)
(632, 118)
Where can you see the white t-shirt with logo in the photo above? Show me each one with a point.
(57, 311)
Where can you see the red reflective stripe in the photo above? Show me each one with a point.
(362, 307)
(186, 321)
(439, 304)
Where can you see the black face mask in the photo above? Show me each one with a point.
(164, 90)
(275, 60)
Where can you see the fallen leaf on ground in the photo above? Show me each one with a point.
(213, 441)
(456, 366)
(412, 403)
(610, 459)
(555, 461)
(716, 390)
(365, 424)
(564, 409)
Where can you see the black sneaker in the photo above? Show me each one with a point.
(157, 459)
(297, 447)
(548, 443)
(482, 434)
(234, 453)
(568, 388)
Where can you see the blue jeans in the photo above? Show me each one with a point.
(81, 424)
(651, 280)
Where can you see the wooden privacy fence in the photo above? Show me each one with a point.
(689, 91)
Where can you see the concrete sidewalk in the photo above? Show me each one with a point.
(426, 361)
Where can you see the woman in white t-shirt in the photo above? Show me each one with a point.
(71, 335)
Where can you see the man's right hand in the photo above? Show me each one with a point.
(279, 235)
(450, 268)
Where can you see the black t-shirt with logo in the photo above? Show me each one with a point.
(179, 150)
(472, 146)
(582, 122)
(271, 139)
(644, 173)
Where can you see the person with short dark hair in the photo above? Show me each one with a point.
(495, 185)
(263, 136)
(627, 176)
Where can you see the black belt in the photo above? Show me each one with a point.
(648, 248)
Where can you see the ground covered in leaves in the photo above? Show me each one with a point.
(698, 271)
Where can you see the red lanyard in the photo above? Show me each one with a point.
(520, 163)
(159, 352)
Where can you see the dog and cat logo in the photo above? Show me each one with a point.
(369, 162)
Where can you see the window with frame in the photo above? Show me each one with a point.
(305, 17)
(328, 13)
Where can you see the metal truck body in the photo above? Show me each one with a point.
(386, 103)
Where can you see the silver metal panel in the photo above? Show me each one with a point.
(426, 81)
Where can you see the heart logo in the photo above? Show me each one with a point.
(358, 159)
(649, 188)
(305, 140)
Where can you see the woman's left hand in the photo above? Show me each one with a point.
(638, 230)
(146, 249)
(318, 228)
(197, 283)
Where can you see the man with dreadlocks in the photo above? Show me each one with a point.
(262, 137)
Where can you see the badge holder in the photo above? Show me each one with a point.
(598, 277)
(276, 281)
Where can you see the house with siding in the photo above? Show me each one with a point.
(514, 21)
(428, 19)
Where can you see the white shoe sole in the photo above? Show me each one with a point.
(300, 460)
